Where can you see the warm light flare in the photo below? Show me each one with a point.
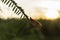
(52, 14)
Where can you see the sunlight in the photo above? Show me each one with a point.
(52, 8)
(52, 14)
(51, 11)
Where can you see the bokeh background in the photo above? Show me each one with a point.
(47, 12)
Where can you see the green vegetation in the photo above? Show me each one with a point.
(15, 29)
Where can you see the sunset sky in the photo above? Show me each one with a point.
(46, 9)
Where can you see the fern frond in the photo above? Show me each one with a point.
(15, 7)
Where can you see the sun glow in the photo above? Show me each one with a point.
(52, 14)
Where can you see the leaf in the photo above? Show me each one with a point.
(5, 1)
(18, 13)
(10, 4)
(15, 10)
(21, 16)
(2, 0)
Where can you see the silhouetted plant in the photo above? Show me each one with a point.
(22, 27)
(18, 10)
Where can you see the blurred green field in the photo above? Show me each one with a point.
(15, 29)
